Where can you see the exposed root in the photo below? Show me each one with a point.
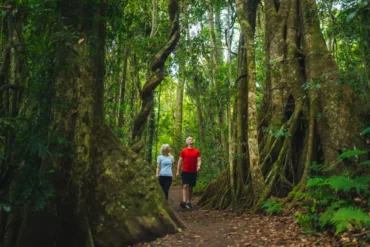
(217, 194)
(293, 196)
(283, 157)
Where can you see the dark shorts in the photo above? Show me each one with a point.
(189, 178)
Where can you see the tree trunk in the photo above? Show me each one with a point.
(154, 18)
(218, 194)
(214, 67)
(99, 183)
(306, 115)
(241, 161)
(122, 108)
(4, 76)
(114, 107)
(247, 18)
(182, 55)
(152, 126)
(157, 76)
(18, 59)
(178, 140)
(229, 110)
(134, 94)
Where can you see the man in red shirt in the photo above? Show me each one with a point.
(190, 162)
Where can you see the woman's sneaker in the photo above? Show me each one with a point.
(189, 206)
(183, 204)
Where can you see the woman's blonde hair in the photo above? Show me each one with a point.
(164, 148)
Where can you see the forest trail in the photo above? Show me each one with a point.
(219, 228)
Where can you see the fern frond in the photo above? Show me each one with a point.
(315, 182)
(272, 207)
(340, 183)
(345, 218)
(351, 153)
(326, 217)
(365, 163)
(361, 183)
(325, 197)
(365, 131)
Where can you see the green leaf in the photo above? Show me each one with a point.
(315, 182)
(361, 183)
(366, 131)
(344, 218)
(326, 217)
(340, 183)
(272, 207)
(351, 153)
(366, 163)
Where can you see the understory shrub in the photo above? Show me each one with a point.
(339, 202)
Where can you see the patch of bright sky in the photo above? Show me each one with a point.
(194, 31)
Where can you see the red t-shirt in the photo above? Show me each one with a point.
(190, 156)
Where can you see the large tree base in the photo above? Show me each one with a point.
(117, 202)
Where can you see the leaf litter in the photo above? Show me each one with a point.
(225, 229)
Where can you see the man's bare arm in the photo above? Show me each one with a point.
(199, 162)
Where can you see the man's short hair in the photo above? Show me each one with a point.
(189, 137)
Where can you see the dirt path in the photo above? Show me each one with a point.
(217, 228)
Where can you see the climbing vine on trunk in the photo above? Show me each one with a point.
(157, 76)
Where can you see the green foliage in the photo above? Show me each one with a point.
(345, 218)
(350, 154)
(366, 131)
(366, 163)
(340, 183)
(272, 207)
(24, 138)
(277, 133)
(203, 180)
(337, 201)
(308, 222)
(30, 188)
(327, 215)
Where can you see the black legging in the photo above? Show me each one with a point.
(165, 183)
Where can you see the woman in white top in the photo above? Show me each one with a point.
(165, 168)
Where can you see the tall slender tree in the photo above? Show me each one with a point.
(247, 19)
(215, 63)
(122, 105)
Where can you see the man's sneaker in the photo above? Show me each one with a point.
(189, 206)
(183, 205)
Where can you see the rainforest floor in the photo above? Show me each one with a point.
(221, 228)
